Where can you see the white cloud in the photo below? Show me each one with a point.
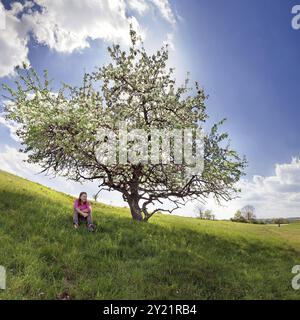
(139, 6)
(11, 125)
(11, 160)
(13, 43)
(68, 25)
(289, 174)
(165, 10)
(170, 41)
(163, 7)
(2, 17)
(272, 196)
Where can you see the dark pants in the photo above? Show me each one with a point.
(77, 216)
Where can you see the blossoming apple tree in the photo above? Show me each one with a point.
(58, 130)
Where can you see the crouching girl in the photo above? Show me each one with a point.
(83, 211)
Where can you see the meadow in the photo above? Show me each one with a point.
(169, 257)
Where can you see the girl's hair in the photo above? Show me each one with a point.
(79, 199)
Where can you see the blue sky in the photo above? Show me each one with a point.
(244, 53)
(247, 55)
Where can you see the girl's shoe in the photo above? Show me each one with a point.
(76, 226)
(91, 227)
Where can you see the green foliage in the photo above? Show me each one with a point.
(238, 217)
(280, 221)
(245, 215)
(204, 214)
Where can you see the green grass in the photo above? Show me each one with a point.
(169, 257)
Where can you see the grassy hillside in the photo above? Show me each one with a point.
(168, 258)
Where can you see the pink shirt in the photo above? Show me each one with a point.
(83, 206)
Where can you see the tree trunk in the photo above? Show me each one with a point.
(135, 209)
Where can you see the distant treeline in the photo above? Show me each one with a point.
(278, 221)
(245, 215)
